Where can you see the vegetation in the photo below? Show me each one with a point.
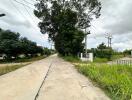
(73, 59)
(63, 21)
(102, 51)
(100, 60)
(127, 52)
(12, 46)
(7, 69)
(116, 80)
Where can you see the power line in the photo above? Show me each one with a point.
(29, 14)
(28, 2)
(18, 9)
(23, 4)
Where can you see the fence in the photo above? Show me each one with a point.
(123, 62)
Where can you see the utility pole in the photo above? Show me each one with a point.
(109, 37)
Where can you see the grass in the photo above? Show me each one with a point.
(2, 61)
(105, 60)
(115, 80)
(71, 59)
(7, 69)
(114, 57)
(100, 60)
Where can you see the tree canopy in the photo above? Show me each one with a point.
(63, 20)
(12, 45)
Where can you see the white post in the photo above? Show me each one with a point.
(91, 57)
(81, 55)
(131, 53)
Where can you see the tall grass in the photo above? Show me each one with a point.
(101, 60)
(7, 69)
(116, 80)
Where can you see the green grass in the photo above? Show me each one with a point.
(71, 59)
(7, 69)
(100, 60)
(115, 80)
(114, 57)
(105, 60)
(22, 60)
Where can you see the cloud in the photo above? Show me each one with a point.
(21, 19)
(115, 19)
(121, 16)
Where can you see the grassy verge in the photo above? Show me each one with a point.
(105, 60)
(71, 59)
(22, 60)
(7, 69)
(115, 80)
(114, 57)
(100, 60)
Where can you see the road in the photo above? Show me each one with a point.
(62, 82)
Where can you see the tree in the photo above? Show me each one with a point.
(61, 19)
(30, 48)
(127, 52)
(102, 51)
(12, 45)
(9, 43)
(102, 46)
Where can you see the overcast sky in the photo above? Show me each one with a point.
(115, 19)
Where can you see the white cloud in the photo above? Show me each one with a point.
(115, 19)
(21, 19)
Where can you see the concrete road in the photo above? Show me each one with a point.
(23, 84)
(63, 82)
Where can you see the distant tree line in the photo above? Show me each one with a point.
(12, 46)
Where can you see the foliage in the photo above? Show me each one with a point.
(102, 51)
(116, 80)
(71, 58)
(62, 21)
(30, 48)
(47, 51)
(127, 52)
(11, 45)
(100, 60)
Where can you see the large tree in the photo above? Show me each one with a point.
(61, 19)
(9, 43)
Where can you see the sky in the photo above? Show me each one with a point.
(115, 19)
